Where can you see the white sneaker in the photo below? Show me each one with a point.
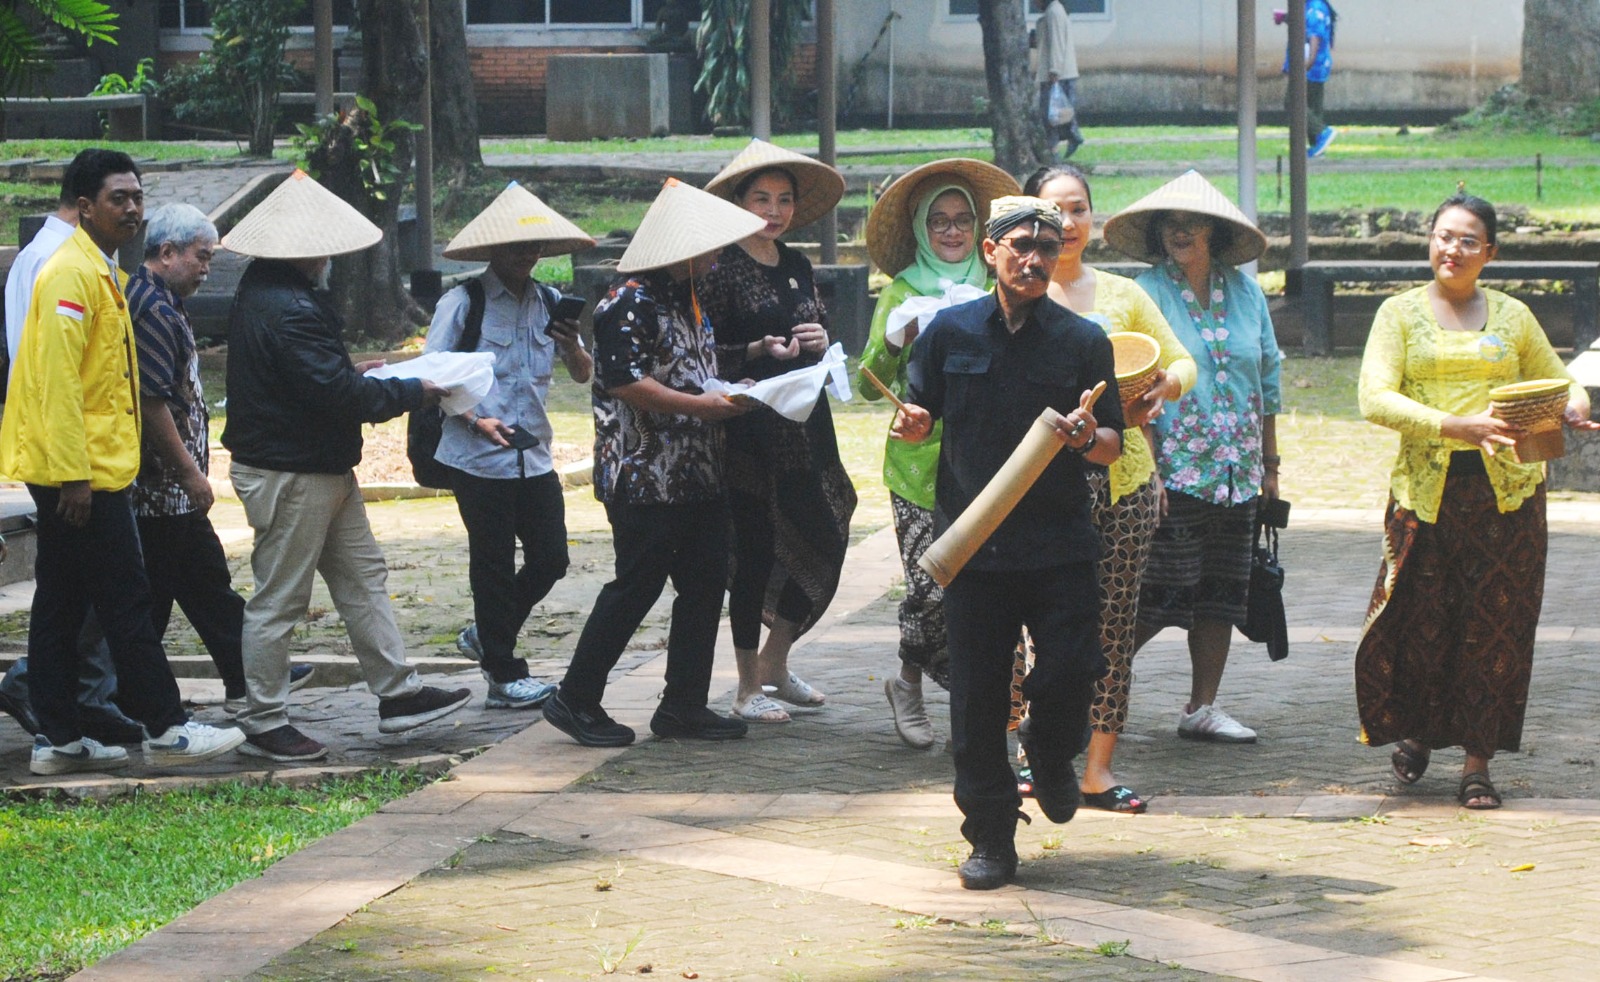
(82, 754)
(910, 715)
(1210, 723)
(190, 743)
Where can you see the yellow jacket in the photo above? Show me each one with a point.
(72, 409)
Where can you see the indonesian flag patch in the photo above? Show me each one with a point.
(66, 308)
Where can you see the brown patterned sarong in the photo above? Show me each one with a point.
(922, 630)
(1447, 650)
(1126, 530)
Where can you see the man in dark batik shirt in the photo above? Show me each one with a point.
(182, 554)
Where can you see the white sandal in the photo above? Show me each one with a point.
(797, 692)
(759, 708)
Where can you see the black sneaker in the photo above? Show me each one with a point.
(109, 728)
(589, 726)
(423, 706)
(20, 711)
(990, 867)
(700, 723)
(1055, 783)
(283, 744)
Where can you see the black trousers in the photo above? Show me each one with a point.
(1316, 97)
(185, 562)
(687, 544)
(755, 554)
(99, 565)
(498, 514)
(985, 613)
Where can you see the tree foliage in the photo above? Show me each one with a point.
(21, 50)
(725, 62)
(242, 74)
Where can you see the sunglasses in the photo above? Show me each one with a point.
(1023, 247)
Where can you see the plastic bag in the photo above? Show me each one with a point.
(1061, 111)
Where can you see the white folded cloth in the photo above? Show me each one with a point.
(794, 394)
(469, 375)
(923, 308)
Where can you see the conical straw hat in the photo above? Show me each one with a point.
(892, 243)
(1127, 230)
(682, 223)
(301, 219)
(517, 216)
(818, 187)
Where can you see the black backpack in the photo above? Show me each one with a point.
(424, 426)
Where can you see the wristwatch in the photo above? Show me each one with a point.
(1088, 444)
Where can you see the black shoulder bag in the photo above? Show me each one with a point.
(1265, 619)
(424, 426)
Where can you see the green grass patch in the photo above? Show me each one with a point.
(137, 149)
(82, 879)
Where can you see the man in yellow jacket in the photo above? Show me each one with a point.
(71, 432)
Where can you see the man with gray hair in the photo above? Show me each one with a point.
(182, 554)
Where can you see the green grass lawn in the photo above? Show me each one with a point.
(79, 880)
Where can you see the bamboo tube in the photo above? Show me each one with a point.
(967, 534)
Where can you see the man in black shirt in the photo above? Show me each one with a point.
(989, 368)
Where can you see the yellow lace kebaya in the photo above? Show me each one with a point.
(1415, 373)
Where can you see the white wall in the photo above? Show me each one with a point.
(1178, 55)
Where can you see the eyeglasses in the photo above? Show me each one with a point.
(1045, 249)
(940, 224)
(1469, 245)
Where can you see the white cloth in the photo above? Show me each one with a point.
(794, 394)
(469, 375)
(1056, 52)
(25, 272)
(922, 309)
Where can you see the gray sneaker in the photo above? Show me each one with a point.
(525, 693)
(467, 643)
(82, 754)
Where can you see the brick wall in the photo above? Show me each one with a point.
(510, 85)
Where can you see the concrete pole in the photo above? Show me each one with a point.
(1247, 110)
(1299, 221)
(425, 141)
(827, 113)
(322, 54)
(760, 55)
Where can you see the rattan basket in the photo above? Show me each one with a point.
(1535, 408)
(1137, 357)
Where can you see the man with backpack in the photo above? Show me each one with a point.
(498, 452)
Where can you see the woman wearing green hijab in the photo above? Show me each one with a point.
(924, 233)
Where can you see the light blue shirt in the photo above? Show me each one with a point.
(1208, 445)
(524, 357)
(25, 272)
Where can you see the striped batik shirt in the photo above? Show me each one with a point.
(169, 369)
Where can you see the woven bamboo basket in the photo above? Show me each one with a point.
(1535, 408)
(1137, 356)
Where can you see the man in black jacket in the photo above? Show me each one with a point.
(295, 408)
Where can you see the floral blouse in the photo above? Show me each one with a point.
(646, 327)
(1209, 444)
(1415, 373)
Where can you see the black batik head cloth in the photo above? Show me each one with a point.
(1014, 210)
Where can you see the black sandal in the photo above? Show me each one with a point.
(1474, 786)
(1118, 799)
(1409, 761)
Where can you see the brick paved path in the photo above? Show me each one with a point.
(824, 849)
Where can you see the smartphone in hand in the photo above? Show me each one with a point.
(568, 308)
(521, 439)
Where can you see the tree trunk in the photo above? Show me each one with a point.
(1561, 50)
(455, 105)
(368, 287)
(1020, 144)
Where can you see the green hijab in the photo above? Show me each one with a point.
(928, 270)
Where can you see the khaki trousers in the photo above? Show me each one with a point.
(306, 524)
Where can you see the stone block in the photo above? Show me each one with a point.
(1579, 470)
(595, 97)
(844, 293)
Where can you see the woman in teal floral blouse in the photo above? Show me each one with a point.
(1217, 447)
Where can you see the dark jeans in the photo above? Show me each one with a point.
(754, 555)
(498, 514)
(687, 544)
(985, 613)
(1315, 124)
(98, 566)
(184, 559)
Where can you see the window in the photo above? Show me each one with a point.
(191, 15)
(969, 8)
(599, 12)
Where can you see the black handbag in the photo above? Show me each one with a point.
(425, 426)
(1265, 619)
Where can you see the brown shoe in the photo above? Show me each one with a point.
(283, 744)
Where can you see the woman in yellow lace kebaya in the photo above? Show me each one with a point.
(1447, 650)
(1127, 505)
